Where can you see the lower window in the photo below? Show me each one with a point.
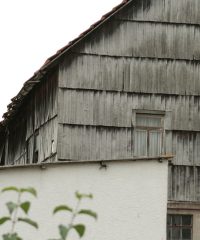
(179, 227)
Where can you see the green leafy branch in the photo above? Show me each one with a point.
(13, 211)
(79, 228)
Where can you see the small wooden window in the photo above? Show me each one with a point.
(148, 134)
(179, 227)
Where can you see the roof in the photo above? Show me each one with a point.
(16, 102)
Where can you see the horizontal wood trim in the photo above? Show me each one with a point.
(44, 165)
(183, 206)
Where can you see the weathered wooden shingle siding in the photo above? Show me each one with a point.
(145, 57)
(184, 146)
(16, 143)
(113, 111)
(94, 143)
(184, 183)
(170, 11)
(144, 40)
(130, 74)
(42, 104)
(107, 108)
(38, 112)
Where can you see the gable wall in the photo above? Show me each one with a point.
(145, 57)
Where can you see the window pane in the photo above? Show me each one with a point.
(140, 142)
(169, 236)
(169, 220)
(176, 220)
(176, 234)
(146, 120)
(186, 234)
(186, 220)
(154, 143)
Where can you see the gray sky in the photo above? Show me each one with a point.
(33, 30)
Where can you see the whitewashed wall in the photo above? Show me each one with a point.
(129, 197)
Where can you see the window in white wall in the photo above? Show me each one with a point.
(148, 134)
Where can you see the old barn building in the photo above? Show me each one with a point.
(125, 96)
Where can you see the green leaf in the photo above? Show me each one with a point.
(82, 195)
(29, 190)
(80, 229)
(25, 206)
(12, 188)
(62, 208)
(63, 231)
(13, 236)
(88, 212)
(11, 207)
(29, 221)
(4, 219)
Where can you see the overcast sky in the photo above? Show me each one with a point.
(33, 30)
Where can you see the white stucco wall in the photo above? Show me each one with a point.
(129, 197)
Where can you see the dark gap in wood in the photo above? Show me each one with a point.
(128, 92)
(138, 57)
(157, 22)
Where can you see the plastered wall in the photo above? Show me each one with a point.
(129, 197)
